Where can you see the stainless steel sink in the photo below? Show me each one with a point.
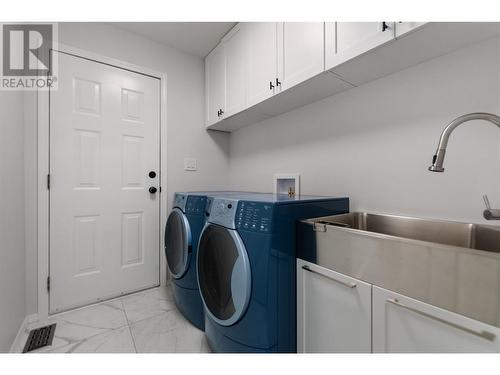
(473, 236)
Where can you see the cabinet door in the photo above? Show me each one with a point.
(301, 52)
(236, 51)
(215, 81)
(333, 311)
(405, 27)
(355, 38)
(262, 59)
(402, 324)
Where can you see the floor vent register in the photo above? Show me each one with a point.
(39, 338)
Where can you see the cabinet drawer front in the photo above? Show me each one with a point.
(402, 324)
(333, 311)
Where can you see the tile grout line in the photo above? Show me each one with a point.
(128, 325)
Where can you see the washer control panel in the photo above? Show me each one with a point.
(222, 211)
(254, 216)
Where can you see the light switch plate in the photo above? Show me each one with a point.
(190, 164)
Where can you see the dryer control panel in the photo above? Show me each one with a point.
(222, 211)
(255, 216)
(180, 201)
(196, 204)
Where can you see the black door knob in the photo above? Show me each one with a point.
(153, 190)
(152, 174)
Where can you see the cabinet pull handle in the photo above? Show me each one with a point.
(278, 83)
(349, 285)
(483, 334)
(384, 26)
(271, 86)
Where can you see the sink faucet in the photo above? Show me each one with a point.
(438, 158)
(490, 213)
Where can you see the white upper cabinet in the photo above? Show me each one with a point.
(402, 324)
(301, 52)
(236, 54)
(262, 60)
(346, 40)
(256, 61)
(403, 28)
(333, 311)
(215, 82)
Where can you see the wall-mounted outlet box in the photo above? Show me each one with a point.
(190, 164)
(287, 183)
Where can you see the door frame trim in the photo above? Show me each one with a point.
(43, 143)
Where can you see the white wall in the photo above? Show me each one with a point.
(12, 252)
(374, 143)
(186, 135)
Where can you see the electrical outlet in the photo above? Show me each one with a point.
(190, 164)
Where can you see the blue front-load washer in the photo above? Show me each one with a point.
(246, 268)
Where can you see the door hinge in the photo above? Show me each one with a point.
(48, 182)
(48, 283)
(160, 189)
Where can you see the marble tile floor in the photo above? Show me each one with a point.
(144, 322)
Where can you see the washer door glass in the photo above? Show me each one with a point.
(177, 243)
(223, 274)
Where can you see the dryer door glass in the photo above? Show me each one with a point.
(177, 243)
(223, 274)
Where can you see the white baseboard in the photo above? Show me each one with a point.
(17, 345)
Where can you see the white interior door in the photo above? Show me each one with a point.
(104, 222)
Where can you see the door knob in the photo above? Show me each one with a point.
(152, 174)
(153, 190)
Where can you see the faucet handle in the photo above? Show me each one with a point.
(486, 202)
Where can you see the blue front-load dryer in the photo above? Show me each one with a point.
(182, 231)
(246, 268)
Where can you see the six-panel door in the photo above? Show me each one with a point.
(104, 222)
(404, 325)
(333, 311)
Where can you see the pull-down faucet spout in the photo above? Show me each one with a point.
(438, 159)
